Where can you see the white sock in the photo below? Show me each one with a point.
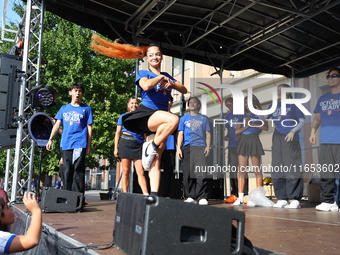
(240, 196)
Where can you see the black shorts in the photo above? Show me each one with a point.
(137, 121)
(129, 148)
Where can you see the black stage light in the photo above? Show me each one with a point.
(39, 127)
(44, 97)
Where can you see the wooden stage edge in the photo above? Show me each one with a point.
(285, 231)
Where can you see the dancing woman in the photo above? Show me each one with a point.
(152, 117)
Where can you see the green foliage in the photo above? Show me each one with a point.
(69, 59)
(107, 89)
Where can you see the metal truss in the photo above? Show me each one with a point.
(21, 166)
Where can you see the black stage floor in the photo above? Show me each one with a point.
(289, 231)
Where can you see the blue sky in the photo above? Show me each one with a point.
(10, 15)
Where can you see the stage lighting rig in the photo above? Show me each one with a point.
(44, 97)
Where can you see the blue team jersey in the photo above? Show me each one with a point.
(194, 128)
(170, 143)
(251, 130)
(156, 98)
(232, 121)
(74, 120)
(285, 123)
(328, 106)
(138, 137)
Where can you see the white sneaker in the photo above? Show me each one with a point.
(148, 155)
(334, 207)
(281, 204)
(203, 202)
(326, 207)
(238, 202)
(294, 204)
(190, 200)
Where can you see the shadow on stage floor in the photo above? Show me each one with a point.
(288, 231)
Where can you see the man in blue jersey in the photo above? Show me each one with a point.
(76, 119)
(327, 117)
(286, 153)
(193, 146)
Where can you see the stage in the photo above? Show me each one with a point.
(288, 231)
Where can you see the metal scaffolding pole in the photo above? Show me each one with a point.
(30, 76)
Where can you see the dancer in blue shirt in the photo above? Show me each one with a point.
(286, 154)
(249, 147)
(152, 117)
(193, 147)
(128, 147)
(233, 141)
(327, 117)
(76, 119)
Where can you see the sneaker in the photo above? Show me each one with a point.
(190, 200)
(203, 202)
(281, 204)
(294, 204)
(231, 199)
(238, 202)
(148, 155)
(334, 207)
(326, 207)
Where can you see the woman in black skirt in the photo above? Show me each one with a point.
(249, 146)
(128, 147)
(152, 117)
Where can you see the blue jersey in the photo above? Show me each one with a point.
(170, 143)
(138, 137)
(251, 130)
(328, 106)
(156, 98)
(6, 239)
(194, 128)
(232, 121)
(285, 123)
(74, 120)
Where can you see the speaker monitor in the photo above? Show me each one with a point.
(7, 61)
(156, 225)
(59, 200)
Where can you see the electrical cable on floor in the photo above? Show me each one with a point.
(86, 247)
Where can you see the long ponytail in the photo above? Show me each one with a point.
(117, 50)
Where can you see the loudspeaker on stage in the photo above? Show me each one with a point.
(59, 200)
(156, 225)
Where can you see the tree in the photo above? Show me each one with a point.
(69, 59)
(107, 89)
